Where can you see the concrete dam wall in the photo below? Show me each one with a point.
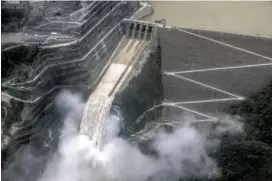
(157, 76)
(138, 37)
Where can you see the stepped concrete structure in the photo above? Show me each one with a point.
(157, 75)
(136, 39)
(73, 53)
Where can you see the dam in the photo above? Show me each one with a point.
(110, 53)
(100, 102)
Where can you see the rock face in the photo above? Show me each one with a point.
(31, 82)
(14, 15)
(20, 15)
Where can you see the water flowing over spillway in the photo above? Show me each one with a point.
(93, 92)
(99, 103)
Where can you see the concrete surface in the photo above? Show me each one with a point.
(206, 72)
(100, 101)
(188, 52)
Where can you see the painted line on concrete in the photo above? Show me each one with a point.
(146, 132)
(210, 118)
(170, 105)
(186, 122)
(218, 31)
(205, 85)
(190, 110)
(221, 68)
(204, 120)
(143, 114)
(208, 101)
(226, 44)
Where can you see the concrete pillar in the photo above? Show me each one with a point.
(122, 30)
(130, 29)
(97, 57)
(134, 30)
(127, 26)
(104, 46)
(140, 31)
(146, 32)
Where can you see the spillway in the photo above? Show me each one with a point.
(75, 52)
(103, 52)
(100, 101)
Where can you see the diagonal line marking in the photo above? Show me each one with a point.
(208, 101)
(220, 68)
(205, 85)
(226, 44)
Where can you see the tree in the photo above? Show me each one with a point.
(250, 158)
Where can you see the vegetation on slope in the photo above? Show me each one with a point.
(257, 113)
(250, 157)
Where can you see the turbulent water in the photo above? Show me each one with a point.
(99, 103)
(183, 153)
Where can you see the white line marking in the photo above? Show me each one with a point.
(84, 58)
(86, 34)
(208, 101)
(226, 44)
(170, 105)
(217, 31)
(205, 85)
(204, 120)
(190, 110)
(222, 68)
(162, 122)
(233, 33)
(150, 109)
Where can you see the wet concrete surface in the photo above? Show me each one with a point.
(100, 101)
